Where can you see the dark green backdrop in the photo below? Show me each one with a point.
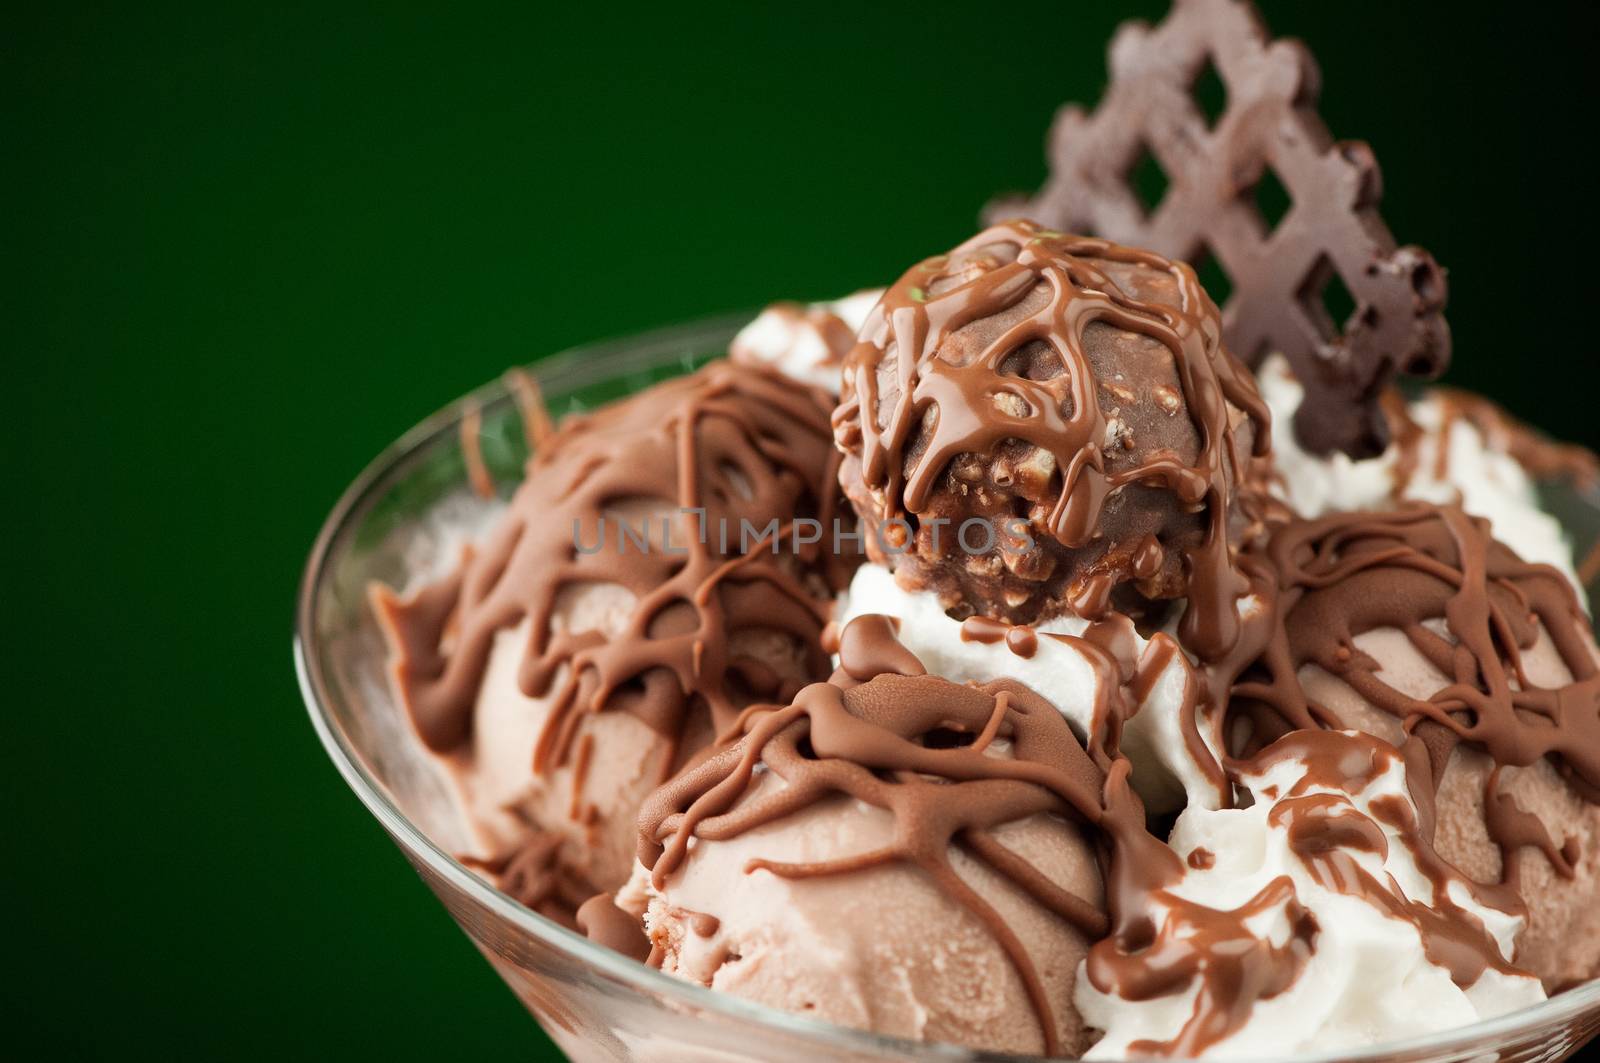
(247, 249)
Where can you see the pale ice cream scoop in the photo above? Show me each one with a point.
(891, 851)
(1418, 623)
(883, 949)
(607, 627)
(555, 836)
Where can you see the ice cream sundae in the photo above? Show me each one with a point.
(1034, 656)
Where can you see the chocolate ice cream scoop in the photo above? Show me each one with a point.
(1416, 623)
(626, 607)
(1035, 421)
(891, 850)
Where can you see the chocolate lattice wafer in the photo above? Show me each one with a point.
(1331, 234)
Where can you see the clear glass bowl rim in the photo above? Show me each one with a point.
(576, 367)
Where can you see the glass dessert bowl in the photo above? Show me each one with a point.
(400, 519)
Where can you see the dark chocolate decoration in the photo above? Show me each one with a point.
(1268, 134)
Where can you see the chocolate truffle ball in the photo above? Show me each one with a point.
(1034, 422)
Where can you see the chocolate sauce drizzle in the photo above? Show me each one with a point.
(1234, 966)
(942, 404)
(1325, 829)
(534, 877)
(537, 427)
(708, 451)
(1125, 677)
(1412, 570)
(478, 475)
(1165, 942)
(1589, 567)
(1542, 458)
(601, 921)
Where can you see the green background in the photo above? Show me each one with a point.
(247, 248)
